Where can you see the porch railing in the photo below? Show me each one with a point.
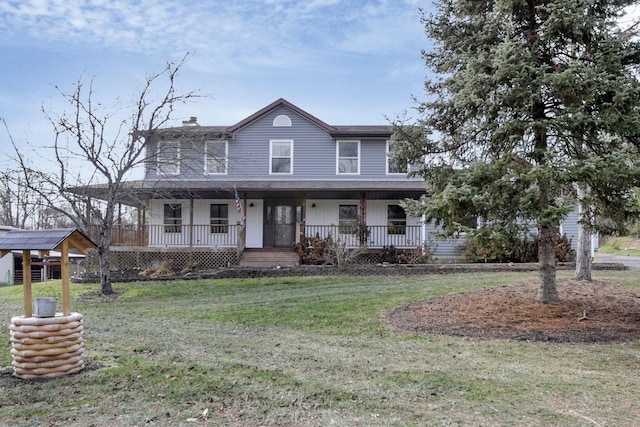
(377, 236)
(174, 235)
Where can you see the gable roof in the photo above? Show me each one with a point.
(353, 131)
(279, 103)
(45, 240)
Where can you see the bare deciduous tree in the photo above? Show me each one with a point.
(95, 152)
(17, 204)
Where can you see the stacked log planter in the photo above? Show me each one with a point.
(47, 347)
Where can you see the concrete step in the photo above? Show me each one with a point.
(268, 258)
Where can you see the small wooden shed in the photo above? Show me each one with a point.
(47, 346)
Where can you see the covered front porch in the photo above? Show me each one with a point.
(270, 213)
(235, 216)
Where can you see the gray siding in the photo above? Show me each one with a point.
(570, 227)
(445, 249)
(373, 159)
(314, 155)
(313, 149)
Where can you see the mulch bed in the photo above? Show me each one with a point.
(600, 311)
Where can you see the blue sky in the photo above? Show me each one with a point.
(344, 61)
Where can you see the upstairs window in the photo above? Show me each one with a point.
(396, 220)
(215, 157)
(168, 158)
(172, 218)
(348, 157)
(394, 166)
(281, 157)
(219, 214)
(348, 218)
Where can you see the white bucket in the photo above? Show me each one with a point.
(44, 307)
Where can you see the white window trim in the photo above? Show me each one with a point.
(338, 142)
(389, 161)
(159, 163)
(226, 157)
(271, 142)
(282, 121)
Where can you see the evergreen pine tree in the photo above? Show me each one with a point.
(529, 99)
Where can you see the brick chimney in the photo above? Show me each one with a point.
(193, 121)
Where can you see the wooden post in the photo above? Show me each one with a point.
(119, 239)
(190, 223)
(241, 240)
(362, 238)
(64, 271)
(145, 227)
(139, 227)
(26, 283)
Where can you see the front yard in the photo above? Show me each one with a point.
(307, 351)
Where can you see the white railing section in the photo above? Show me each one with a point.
(375, 236)
(228, 236)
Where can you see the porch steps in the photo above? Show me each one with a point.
(268, 257)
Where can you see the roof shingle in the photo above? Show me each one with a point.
(44, 240)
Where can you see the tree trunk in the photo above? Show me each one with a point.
(105, 271)
(106, 235)
(104, 250)
(583, 251)
(547, 291)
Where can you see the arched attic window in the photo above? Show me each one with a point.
(282, 121)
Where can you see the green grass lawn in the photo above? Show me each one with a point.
(312, 352)
(621, 246)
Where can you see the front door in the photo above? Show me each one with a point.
(279, 224)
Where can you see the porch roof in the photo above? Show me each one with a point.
(136, 193)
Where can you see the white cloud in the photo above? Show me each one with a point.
(335, 58)
(267, 33)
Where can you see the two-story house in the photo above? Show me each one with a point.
(278, 173)
(265, 181)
